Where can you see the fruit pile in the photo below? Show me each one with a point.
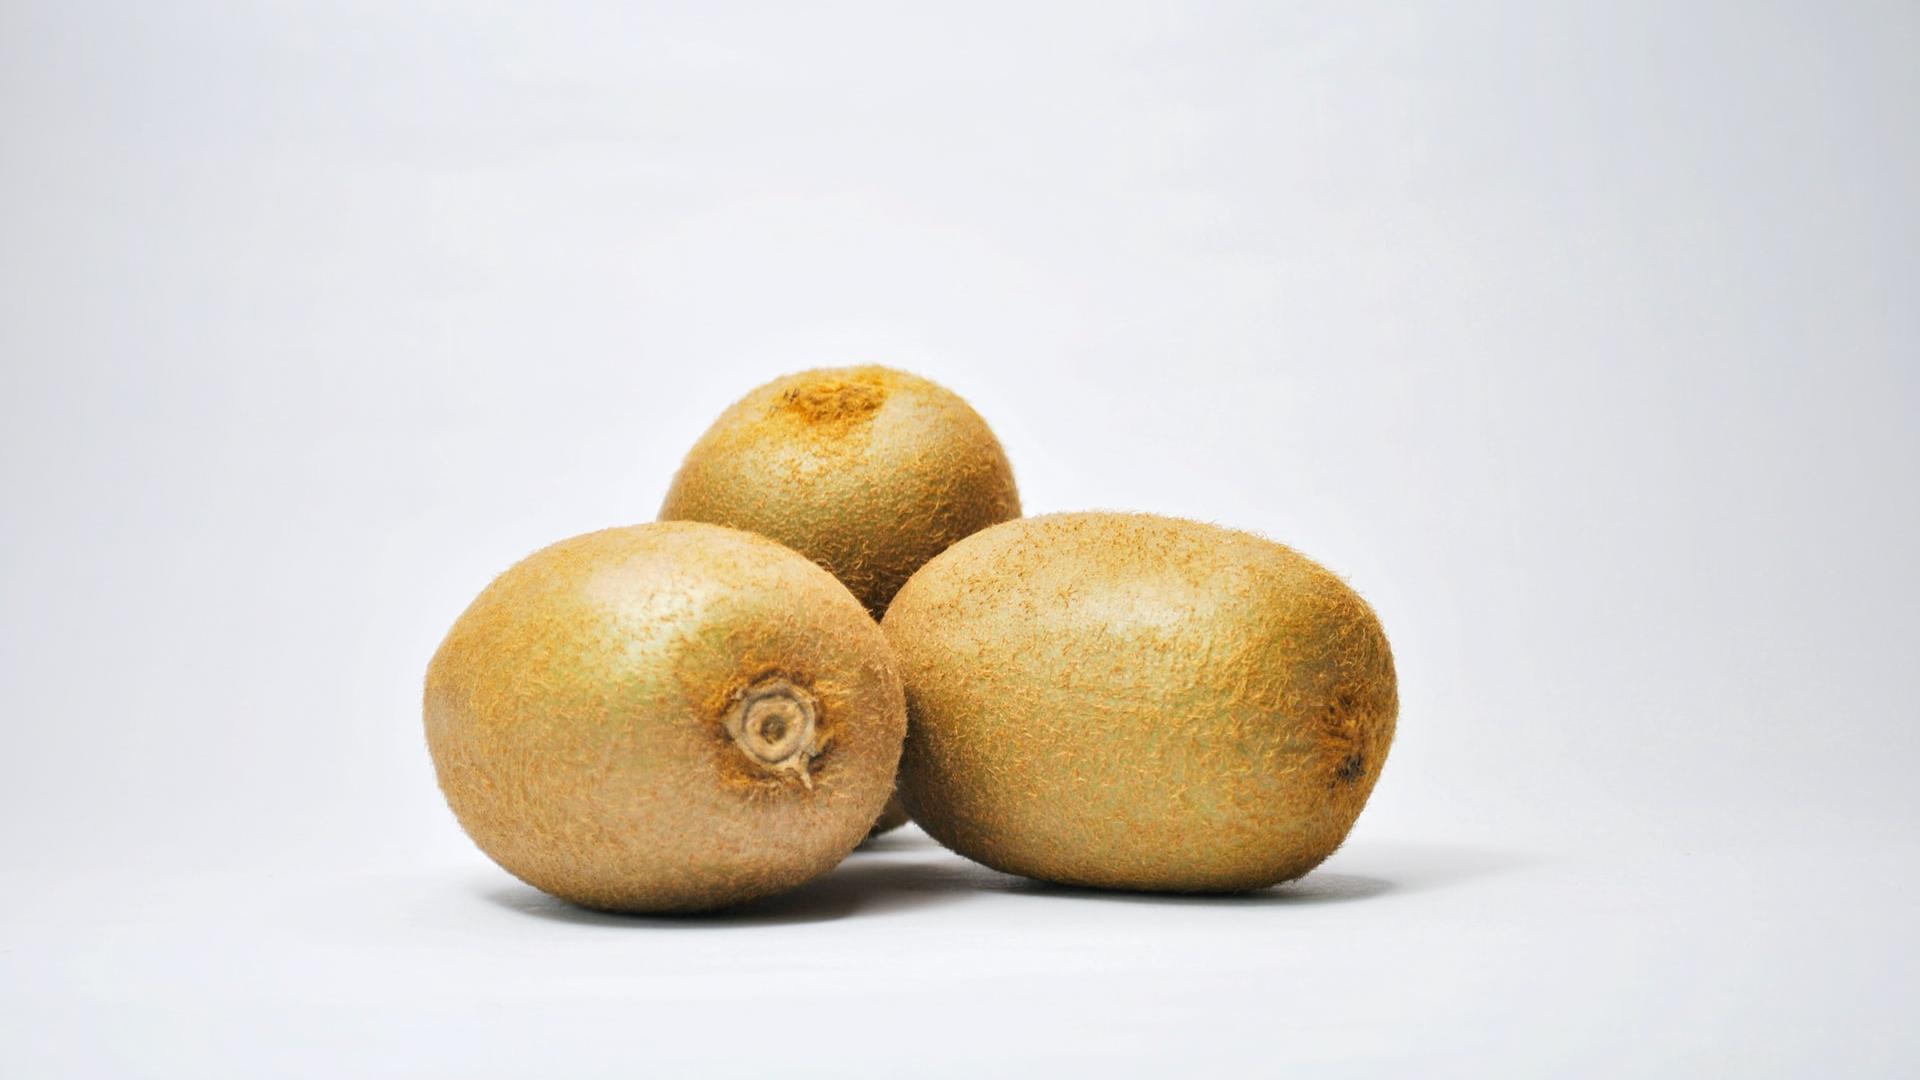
(702, 711)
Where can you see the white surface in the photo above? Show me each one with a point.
(1754, 959)
(1582, 341)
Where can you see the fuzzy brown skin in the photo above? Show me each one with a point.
(595, 716)
(894, 816)
(1136, 702)
(867, 471)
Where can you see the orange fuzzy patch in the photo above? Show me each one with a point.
(834, 403)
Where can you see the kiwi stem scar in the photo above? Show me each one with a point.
(774, 724)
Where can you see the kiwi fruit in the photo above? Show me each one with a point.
(1137, 702)
(665, 717)
(867, 471)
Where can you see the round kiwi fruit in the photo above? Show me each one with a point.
(665, 717)
(867, 471)
(1137, 702)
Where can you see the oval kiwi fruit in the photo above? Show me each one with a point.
(867, 471)
(1137, 702)
(665, 717)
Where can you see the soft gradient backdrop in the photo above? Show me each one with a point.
(1584, 340)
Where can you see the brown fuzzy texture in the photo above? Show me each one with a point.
(894, 816)
(1137, 702)
(578, 714)
(867, 471)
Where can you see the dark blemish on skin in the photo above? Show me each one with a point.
(1352, 768)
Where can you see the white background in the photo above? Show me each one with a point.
(1582, 339)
